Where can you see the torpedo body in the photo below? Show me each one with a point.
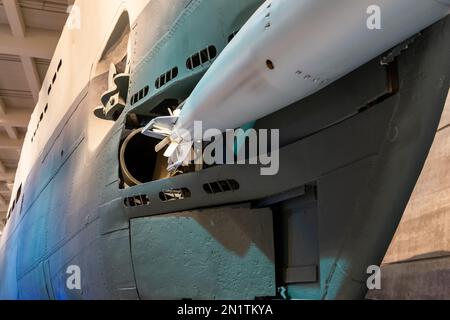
(290, 49)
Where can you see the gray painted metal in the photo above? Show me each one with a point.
(360, 143)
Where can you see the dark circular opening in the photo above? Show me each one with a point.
(138, 158)
(270, 64)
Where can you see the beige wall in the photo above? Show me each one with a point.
(417, 265)
(425, 227)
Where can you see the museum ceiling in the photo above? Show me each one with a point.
(29, 32)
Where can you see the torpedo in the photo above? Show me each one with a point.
(288, 50)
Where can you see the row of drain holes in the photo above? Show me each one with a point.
(46, 106)
(196, 60)
(182, 193)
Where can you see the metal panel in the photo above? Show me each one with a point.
(33, 285)
(224, 253)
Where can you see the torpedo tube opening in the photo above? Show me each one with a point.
(139, 163)
(138, 160)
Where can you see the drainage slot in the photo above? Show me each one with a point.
(166, 78)
(174, 194)
(231, 36)
(202, 57)
(136, 201)
(221, 186)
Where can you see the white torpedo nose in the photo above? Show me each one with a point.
(290, 49)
